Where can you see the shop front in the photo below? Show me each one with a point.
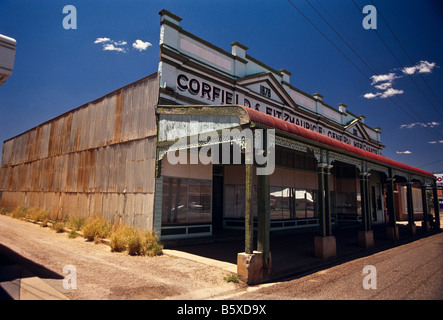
(240, 148)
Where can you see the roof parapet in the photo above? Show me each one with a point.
(318, 96)
(166, 15)
(238, 49)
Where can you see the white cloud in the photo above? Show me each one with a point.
(434, 142)
(421, 67)
(404, 152)
(101, 40)
(371, 95)
(386, 94)
(383, 78)
(384, 85)
(111, 47)
(391, 92)
(119, 43)
(409, 70)
(420, 124)
(141, 45)
(383, 82)
(120, 46)
(433, 124)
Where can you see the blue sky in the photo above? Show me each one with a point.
(395, 81)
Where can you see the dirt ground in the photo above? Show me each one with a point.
(102, 274)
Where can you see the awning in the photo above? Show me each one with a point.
(253, 117)
(279, 124)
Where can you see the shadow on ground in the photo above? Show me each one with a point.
(13, 268)
(293, 252)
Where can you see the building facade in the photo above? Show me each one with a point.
(98, 159)
(214, 140)
(7, 57)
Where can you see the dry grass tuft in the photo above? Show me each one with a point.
(96, 229)
(135, 241)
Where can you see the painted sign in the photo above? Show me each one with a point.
(206, 91)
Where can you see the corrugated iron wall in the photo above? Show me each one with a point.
(98, 159)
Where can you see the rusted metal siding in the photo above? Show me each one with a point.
(98, 159)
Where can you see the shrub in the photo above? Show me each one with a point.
(20, 212)
(151, 246)
(135, 241)
(38, 214)
(73, 234)
(58, 226)
(135, 244)
(96, 229)
(5, 210)
(231, 278)
(44, 223)
(120, 238)
(76, 223)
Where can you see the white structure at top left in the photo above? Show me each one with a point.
(7, 57)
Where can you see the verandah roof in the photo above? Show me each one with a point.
(252, 116)
(279, 124)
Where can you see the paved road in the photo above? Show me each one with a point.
(411, 271)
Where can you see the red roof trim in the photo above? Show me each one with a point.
(279, 124)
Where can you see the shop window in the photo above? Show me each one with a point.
(278, 200)
(288, 206)
(285, 202)
(311, 201)
(234, 201)
(235, 197)
(175, 201)
(347, 203)
(199, 201)
(186, 201)
(306, 203)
